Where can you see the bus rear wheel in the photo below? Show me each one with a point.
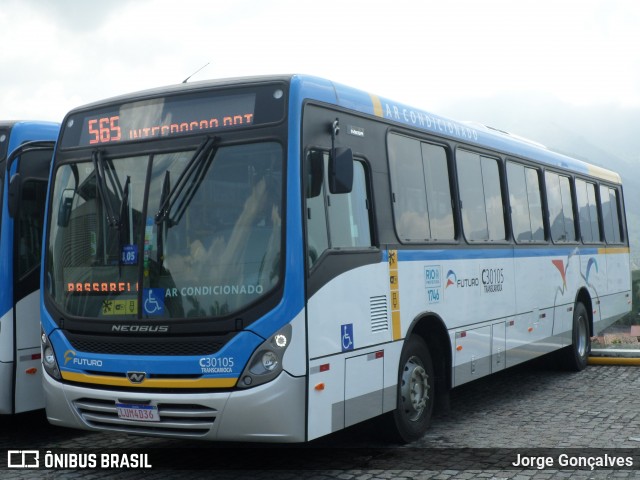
(577, 354)
(415, 397)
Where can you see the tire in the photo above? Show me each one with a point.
(577, 354)
(416, 393)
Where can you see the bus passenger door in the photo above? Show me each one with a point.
(27, 194)
(347, 303)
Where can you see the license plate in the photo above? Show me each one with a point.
(140, 413)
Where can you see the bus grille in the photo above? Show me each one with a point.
(152, 345)
(176, 420)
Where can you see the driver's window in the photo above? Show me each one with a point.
(34, 169)
(29, 225)
(337, 220)
(317, 230)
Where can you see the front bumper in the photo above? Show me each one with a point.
(273, 412)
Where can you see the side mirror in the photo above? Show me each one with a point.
(64, 209)
(341, 170)
(14, 194)
(315, 173)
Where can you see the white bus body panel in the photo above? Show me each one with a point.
(500, 310)
(29, 393)
(27, 362)
(352, 368)
(6, 363)
(6, 337)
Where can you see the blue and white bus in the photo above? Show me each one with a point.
(26, 149)
(277, 258)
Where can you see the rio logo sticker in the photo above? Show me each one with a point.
(433, 283)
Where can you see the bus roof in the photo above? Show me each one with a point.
(21, 131)
(316, 88)
(28, 123)
(467, 132)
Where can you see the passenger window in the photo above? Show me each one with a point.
(481, 197)
(337, 220)
(611, 214)
(409, 195)
(420, 190)
(588, 211)
(535, 204)
(560, 208)
(524, 200)
(436, 179)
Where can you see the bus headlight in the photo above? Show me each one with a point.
(270, 361)
(49, 361)
(266, 362)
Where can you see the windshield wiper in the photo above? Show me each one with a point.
(187, 185)
(113, 219)
(166, 189)
(124, 204)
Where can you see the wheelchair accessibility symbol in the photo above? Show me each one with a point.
(347, 337)
(153, 301)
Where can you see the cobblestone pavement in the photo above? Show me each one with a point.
(529, 411)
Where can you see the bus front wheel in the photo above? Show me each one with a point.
(415, 396)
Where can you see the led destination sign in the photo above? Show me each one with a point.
(176, 115)
(164, 117)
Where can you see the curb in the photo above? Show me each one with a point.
(613, 356)
(613, 361)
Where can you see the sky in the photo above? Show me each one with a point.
(59, 54)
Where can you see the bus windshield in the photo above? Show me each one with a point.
(172, 235)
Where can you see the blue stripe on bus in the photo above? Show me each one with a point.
(478, 254)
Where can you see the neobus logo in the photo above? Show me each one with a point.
(140, 328)
(136, 377)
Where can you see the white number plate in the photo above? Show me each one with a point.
(140, 413)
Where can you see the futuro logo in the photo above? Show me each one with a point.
(68, 356)
(451, 279)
